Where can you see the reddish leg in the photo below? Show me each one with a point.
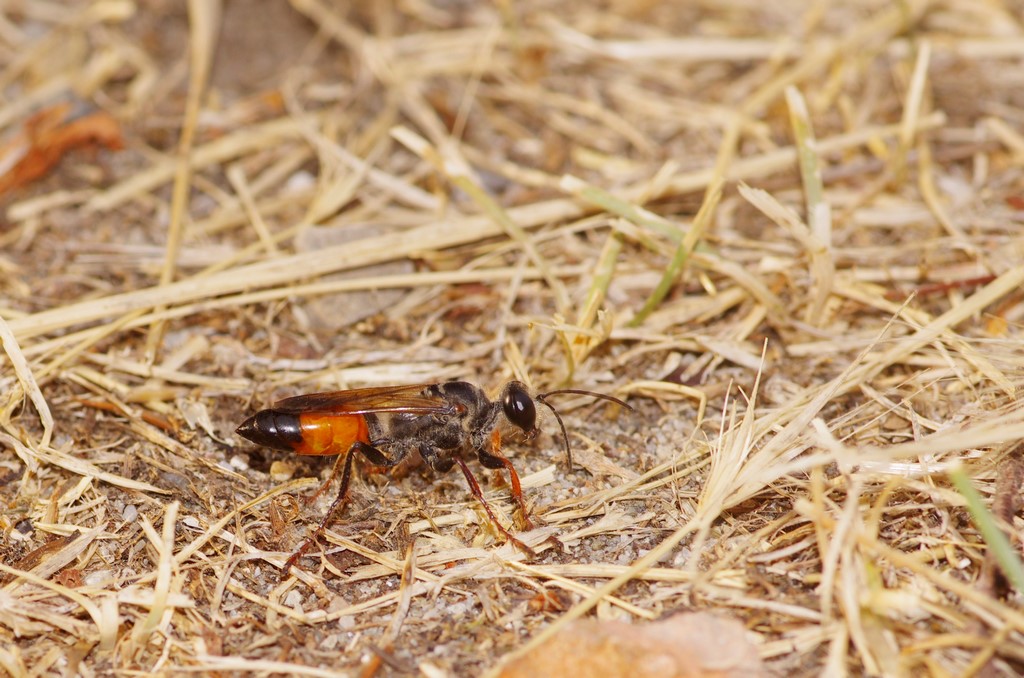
(496, 460)
(338, 462)
(345, 461)
(474, 487)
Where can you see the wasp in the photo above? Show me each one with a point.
(443, 422)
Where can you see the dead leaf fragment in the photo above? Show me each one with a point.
(46, 138)
(697, 645)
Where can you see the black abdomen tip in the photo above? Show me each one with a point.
(270, 428)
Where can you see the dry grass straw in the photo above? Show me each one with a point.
(789, 235)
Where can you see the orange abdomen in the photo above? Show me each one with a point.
(330, 434)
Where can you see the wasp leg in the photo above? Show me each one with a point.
(345, 462)
(330, 479)
(496, 460)
(474, 487)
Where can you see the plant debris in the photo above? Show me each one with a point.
(788, 234)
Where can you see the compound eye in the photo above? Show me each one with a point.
(519, 408)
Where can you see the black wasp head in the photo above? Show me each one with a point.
(517, 404)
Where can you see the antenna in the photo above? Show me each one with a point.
(575, 391)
